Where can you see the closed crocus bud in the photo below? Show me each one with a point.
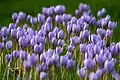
(109, 33)
(86, 34)
(115, 74)
(81, 72)
(51, 11)
(93, 21)
(41, 18)
(103, 22)
(33, 42)
(113, 50)
(5, 31)
(97, 49)
(112, 25)
(58, 19)
(19, 34)
(75, 40)
(63, 60)
(8, 58)
(39, 68)
(49, 19)
(54, 42)
(36, 48)
(89, 64)
(29, 18)
(49, 62)
(66, 17)
(69, 55)
(22, 42)
(83, 7)
(69, 28)
(76, 28)
(12, 26)
(70, 64)
(44, 67)
(60, 42)
(101, 13)
(71, 48)
(43, 75)
(55, 58)
(8, 45)
(27, 65)
(109, 65)
(1, 46)
(107, 18)
(23, 55)
(73, 20)
(21, 16)
(78, 12)
(83, 48)
(100, 58)
(16, 54)
(101, 31)
(60, 9)
(59, 50)
(56, 30)
(51, 35)
(92, 76)
(60, 34)
(48, 27)
(14, 16)
(33, 60)
(99, 73)
(42, 58)
(33, 20)
(118, 46)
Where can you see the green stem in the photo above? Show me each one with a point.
(14, 70)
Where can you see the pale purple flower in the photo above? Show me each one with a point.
(8, 45)
(8, 58)
(14, 16)
(43, 75)
(16, 54)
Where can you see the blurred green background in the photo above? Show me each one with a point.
(7, 7)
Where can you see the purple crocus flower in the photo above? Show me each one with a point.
(39, 68)
(5, 31)
(16, 54)
(113, 49)
(66, 17)
(33, 42)
(109, 33)
(33, 60)
(60, 9)
(63, 60)
(59, 50)
(8, 58)
(41, 18)
(89, 63)
(8, 45)
(60, 42)
(43, 75)
(109, 65)
(42, 58)
(76, 28)
(12, 26)
(48, 27)
(75, 40)
(97, 49)
(55, 58)
(71, 48)
(101, 31)
(93, 21)
(27, 65)
(83, 7)
(29, 18)
(21, 16)
(77, 12)
(69, 55)
(69, 28)
(23, 55)
(22, 42)
(1, 46)
(101, 13)
(33, 20)
(58, 19)
(112, 25)
(49, 19)
(54, 42)
(14, 16)
(83, 48)
(49, 61)
(60, 34)
(81, 72)
(73, 20)
(70, 64)
(37, 48)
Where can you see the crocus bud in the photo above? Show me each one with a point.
(14, 16)
(59, 50)
(89, 64)
(43, 75)
(1, 46)
(26, 65)
(39, 68)
(112, 25)
(70, 64)
(71, 48)
(60, 34)
(8, 45)
(15, 54)
(60, 42)
(81, 72)
(41, 18)
(109, 65)
(23, 55)
(8, 58)
(33, 60)
(63, 60)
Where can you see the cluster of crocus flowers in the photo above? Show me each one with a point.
(55, 45)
